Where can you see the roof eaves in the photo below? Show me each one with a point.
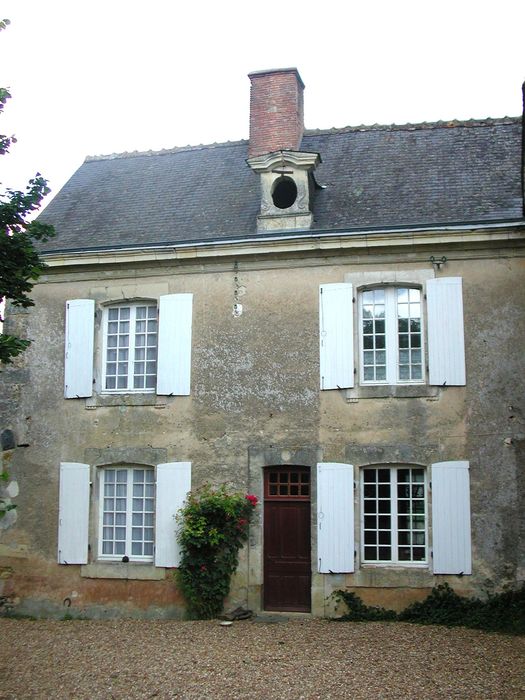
(298, 235)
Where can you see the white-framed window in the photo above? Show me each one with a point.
(394, 520)
(401, 322)
(130, 348)
(393, 525)
(143, 346)
(132, 510)
(391, 335)
(127, 513)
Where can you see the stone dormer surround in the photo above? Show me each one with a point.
(276, 132)
(286, 186)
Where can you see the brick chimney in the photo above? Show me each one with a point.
(276, 111)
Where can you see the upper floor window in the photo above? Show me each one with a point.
(130, 348)
(391, 340)
(145, 347)
(386, 332)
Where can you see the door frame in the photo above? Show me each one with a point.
(287, 489)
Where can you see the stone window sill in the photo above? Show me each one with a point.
(120, 570)
(393, 576)
(397, 391)
(104, 400)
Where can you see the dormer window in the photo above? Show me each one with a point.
(284, 192)
(286, 182)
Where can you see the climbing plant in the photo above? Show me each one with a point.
(213, 527)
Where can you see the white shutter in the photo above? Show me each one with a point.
(174, 353)
(80, 327)
(73, 513)
(446, 341)
(173, 485)
(336, 336)
(335, 518)
(451, 518)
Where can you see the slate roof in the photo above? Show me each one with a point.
(373, 177)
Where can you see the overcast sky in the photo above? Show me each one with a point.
(92, 77)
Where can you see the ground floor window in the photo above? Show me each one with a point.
(127, 513)
(394, 515)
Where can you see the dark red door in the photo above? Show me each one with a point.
(287, 565)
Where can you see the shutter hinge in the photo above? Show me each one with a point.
(355, 554)
(355, 370)
(353, 300)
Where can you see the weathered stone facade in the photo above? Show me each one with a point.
(255, 402)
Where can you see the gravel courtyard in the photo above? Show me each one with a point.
(254, 659)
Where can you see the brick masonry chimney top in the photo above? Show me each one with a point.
(276, 111)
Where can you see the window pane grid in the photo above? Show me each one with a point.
(374, 335)
(377, 525)
(127, 513)
(131, 348)
(411, 520)
(391, 336)
(145, 366)
(410, 359)
(394, 515)
(286, 484)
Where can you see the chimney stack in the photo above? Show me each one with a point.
(276, 111)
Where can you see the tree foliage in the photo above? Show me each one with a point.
(20, 263)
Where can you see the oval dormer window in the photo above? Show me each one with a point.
(284, 192)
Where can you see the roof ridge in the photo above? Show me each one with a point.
(441, 124)
(164, 151)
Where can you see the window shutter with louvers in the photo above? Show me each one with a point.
(174, 351)
(80, 328)
(336, 339)
(173, 485)
(335, 518)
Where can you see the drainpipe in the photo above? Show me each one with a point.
(523, 150)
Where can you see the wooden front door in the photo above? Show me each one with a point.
(287, 565)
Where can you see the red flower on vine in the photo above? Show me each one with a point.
(253, 499)
(203, 567)
(241, 523)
